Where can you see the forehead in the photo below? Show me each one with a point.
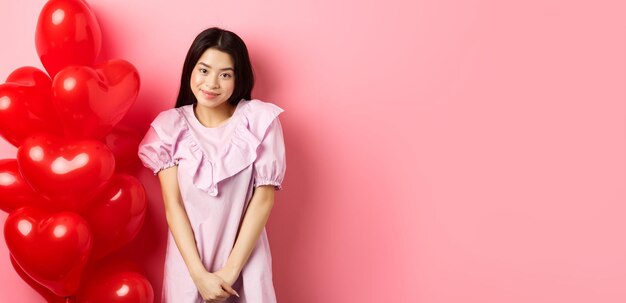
(216, 58)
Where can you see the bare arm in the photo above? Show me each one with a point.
(209, 285)
(254, 221)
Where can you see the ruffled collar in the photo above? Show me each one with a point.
(188, 111)
(237, 153)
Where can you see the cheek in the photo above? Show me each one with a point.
(230, 85)
(194, 79)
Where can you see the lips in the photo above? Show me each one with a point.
(209, 95)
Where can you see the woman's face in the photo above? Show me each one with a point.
(213, 78)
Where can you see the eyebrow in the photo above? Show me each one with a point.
(223, 69)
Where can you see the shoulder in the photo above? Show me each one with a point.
(167, 118)
(260, 115)
(259, 107)
(169, 123)
(261, 112)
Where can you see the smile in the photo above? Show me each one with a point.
(209, 95)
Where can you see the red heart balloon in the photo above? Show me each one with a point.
(26, 106)
(92, 101)
(117, 214)
(51, 248)
(67, 33)
(110, 265)
(70, 173)
(123, 141)
(46, 293)
(14, 191)
(39, 100)
(116, 287)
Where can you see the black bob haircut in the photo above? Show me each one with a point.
(225, 41)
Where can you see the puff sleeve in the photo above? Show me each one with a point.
(270, 164)
(156, 149)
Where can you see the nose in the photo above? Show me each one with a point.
(211, 81)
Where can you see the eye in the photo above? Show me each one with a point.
(203, 70)
(226, 76)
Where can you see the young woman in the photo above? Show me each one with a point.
(219, 156)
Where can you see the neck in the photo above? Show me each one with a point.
(213, 116)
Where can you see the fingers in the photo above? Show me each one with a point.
(218, 297)
(229, 289)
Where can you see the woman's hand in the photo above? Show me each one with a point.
(229, 276)
(212, 287)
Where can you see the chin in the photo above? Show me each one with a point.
(211, 103)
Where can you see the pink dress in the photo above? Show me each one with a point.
(218, 169)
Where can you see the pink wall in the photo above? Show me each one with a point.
(439, 151)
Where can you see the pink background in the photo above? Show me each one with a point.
(439, 151)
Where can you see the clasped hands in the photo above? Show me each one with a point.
(216, 286)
